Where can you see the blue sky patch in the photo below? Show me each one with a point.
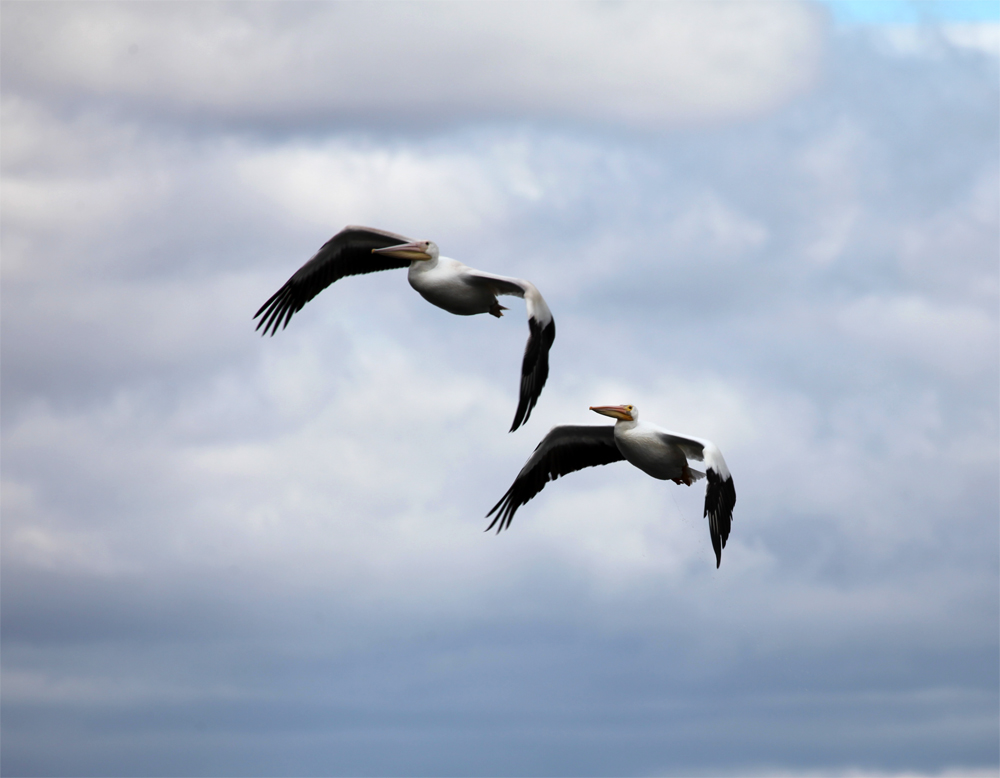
(912, 11)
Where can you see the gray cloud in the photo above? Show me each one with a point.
(242, 556)
(645, 65)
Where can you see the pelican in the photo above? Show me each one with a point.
(656, 451)
(444, 282)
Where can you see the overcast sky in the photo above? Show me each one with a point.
(774, 225)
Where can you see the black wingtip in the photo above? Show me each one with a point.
(494, 510)
(504, 523)
(495, 520)
(503, 511)
(524, 406)
(717, 542)
(522, 415)
(534, 369)
(720, 499)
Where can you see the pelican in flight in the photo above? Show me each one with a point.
(656, 451)
(444, 282)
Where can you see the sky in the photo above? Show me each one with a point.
(772, 225)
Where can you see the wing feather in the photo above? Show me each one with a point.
(693, 449)
(720, 498)
(541, 335)
(720, 493)
(347, 253)
(564, 450)
(534, 368)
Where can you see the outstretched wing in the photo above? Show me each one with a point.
(541, 334)
(564, 450)
(720, 494)
(348, 253)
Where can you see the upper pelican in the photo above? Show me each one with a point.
(442, 281)
(658, 452)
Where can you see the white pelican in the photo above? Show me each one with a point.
(442, 281)
(656, 451)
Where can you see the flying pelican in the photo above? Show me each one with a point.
(442, 281)
(656, 451)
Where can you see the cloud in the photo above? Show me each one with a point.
(937, 41)
(956, 339)
(230, 553)
(310, 183)
(641, 65)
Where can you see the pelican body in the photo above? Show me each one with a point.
(441, 281)
(657, 452)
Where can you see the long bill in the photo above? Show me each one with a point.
(614, 411)
(409, 251)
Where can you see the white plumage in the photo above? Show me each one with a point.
(442, 281)
(658, 452)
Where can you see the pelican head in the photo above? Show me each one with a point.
(622, 412)
(416, 250)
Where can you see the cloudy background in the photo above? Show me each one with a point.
(772, 225)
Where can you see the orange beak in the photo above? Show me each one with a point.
(409, 251)
(614, 411)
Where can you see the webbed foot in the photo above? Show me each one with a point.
(686, 478)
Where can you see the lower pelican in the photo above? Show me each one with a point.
(656, 451)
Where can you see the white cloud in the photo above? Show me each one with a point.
(646, 65)
(936, 41)
(401, 186)
(982, 36)
(836, 167)
(949, 253)
(188, 506)
(961, 340)
(710, 226)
